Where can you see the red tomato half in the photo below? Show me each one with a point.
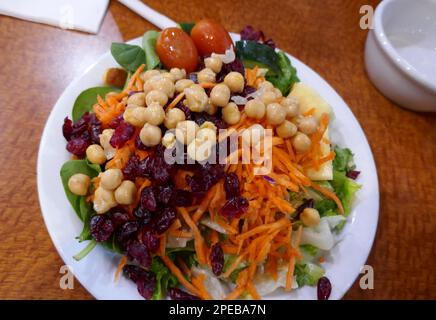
(176, 49)
(210, 37)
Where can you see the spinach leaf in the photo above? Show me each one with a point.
(88, 98)
(164, 278)
(86, 213)
(128, 56)
(287, 76)
(149, 45)
(112, 244)
(186, 26)
(82, 254)
(70, 168)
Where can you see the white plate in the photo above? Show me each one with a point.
(96, 271)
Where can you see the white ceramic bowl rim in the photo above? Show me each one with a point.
(387, 47)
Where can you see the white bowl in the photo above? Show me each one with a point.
(400, 52)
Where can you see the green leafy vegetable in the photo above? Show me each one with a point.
(186, 26)
(128, 56)
(149, 45)
(112, 244)
(86, 99)
(308, 273)
(343, 161)
(164, 278)
(345, 188)
(325, 206)
(70, 168)
(287, 76)
(253, 53)
(86, 213)
(309, 249)
(82, 254)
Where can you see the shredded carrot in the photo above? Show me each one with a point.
(176, 100)
(162, 244)
(181, 234)
(184, 267)
(198, 282)
(262, 228)
(252, 291)
(179, 275)
(235, 293)
(207, 85)
(198, 239)
(329, 194)
(132, 80)
(121, 264)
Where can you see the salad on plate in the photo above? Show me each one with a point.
(208, 167)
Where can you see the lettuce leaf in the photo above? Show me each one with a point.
(345, 188)
(308, 274)
(164, 278)
(343, 161)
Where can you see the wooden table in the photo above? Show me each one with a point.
(38, 62)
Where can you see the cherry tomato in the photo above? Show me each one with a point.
(176, 49)
(210, 37)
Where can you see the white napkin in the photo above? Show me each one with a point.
(83, 15)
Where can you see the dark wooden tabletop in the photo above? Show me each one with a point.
(38, 62)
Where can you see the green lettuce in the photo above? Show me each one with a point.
(164, 279)
(345, 189)
(308, 273)
(343, 161)
(287, 76)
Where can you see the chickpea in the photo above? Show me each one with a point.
(137, 99)
(136, 116)
(235, 81)
(206, 75)
(210, 108)
(310, 217)
(220, 95)
(150, 135)
(275, 114)
(301, 142)
(206, 134)
(278, 93)
(286, 129)
(291, 105)
(183, 84)
(147, 87)
(308, 125)
(168, 140)
(178, 73)
(105, 138)
(155, 96)
(104, 200)
(196, 98)
(186, 131)
(208, 125)
(149, 74)
(155, 114)
(268, 97)
(95, 154)
(200, 150)
(172, 117)
(125, 193)
(231, 113)
(169, 76)
(111, 179)
(79, 184)
(162, 84)
(266, 86)
(255, 109)
(213, 63)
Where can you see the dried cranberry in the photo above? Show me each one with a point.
(139, 145)
(217, 259)
(163, 220)
(324, 288)
(148, 200)
(181, 198)
(143, 215)
(126, 232)
(130, 171)
(77, 147)
(67, 128)
(119, 218)
(236, 66)
(353, 174)
(101, 227)
(234, 208)
(133, 272)
(94, 129)
(205, 177)
(139, 252)
(231, 185)
(177, 294)
(163, 194)
(150, 241)
(162, 171)
(122, 134)
(146, 286)
(116, 122)
(186, 110)
(270, 43)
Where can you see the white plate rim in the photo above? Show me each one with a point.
(364, 159)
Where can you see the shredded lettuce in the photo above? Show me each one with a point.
(308, 273)
(164, 279)
(345, 189)
(309, 249)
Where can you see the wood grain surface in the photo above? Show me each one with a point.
(38, 62)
